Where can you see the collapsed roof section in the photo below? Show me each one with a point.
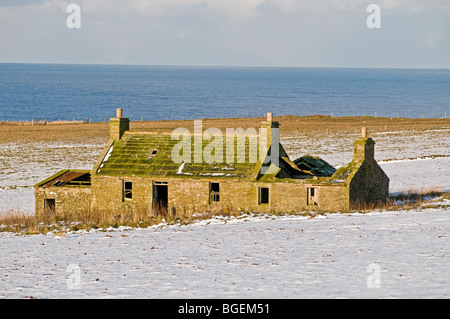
(68, 177)
(314, 165)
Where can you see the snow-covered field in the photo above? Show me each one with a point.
(399, 254)
(375, 255)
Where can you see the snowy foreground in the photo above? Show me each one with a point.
(376, 255)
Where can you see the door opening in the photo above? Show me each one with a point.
(49, 206)
(160, 198)
(311, 198)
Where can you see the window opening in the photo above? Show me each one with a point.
(311, 196)
(49, 206)
(263, 195)
(127, 190)
(214, 192)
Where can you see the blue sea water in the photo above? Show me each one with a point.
(67, 92)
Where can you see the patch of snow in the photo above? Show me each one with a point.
(108, 155)
(228, 168)
(180, 169)
(418, 175)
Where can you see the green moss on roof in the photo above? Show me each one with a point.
(347, 171)
(132, 156)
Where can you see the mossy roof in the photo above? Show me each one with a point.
(150, 155)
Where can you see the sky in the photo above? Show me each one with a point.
(279, 33)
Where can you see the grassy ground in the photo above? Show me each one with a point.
(12, 132)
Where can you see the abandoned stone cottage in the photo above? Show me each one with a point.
(136, 170)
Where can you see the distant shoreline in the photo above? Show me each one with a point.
(24, 131)
(194, 66)
(306, 117)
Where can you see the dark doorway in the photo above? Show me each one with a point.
(263, 195)
(49, 206)
(160, 198)
(214, 193)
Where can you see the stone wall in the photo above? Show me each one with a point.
(369, 186)
(117, 127)
(187, 196)
(291, 197)
(107, 195)
(66, 199)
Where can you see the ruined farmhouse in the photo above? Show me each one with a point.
(137, 171)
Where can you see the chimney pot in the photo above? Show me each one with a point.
(119, 113)
(363, 132)
(269, 117)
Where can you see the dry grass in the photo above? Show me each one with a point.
(13, 132)
(141, 218)
(83, 219)
(407, 201)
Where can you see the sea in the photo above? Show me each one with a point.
(55, 92)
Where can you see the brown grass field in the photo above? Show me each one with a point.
(22, 132)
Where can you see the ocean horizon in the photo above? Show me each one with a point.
(69, 92)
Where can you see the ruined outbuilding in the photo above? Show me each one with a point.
(137, 171)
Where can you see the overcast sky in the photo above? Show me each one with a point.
(314, 33)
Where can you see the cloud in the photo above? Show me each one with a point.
(19, 3)
(172, 7)
(226, 32)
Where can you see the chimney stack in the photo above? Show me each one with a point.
(270, 136)
(118, 126)
(363, 132)
(363, 147)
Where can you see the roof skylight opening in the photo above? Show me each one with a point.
(153, 153)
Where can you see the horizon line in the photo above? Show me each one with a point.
(195, 66)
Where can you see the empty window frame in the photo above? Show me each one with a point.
(127, 190)
(263, 195)
(312, 197)
(214, 192)
(49, 206)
